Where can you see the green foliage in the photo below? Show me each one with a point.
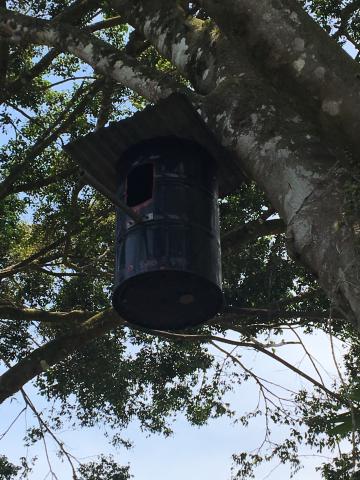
(345, 423)
(105, 469)
(8, 471)
(120, 377)
(341, 19)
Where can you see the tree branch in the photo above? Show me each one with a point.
(251, 231)
(345, 15)
(13, 88)
(51, 134)
(56, 350)
(275, 36)
(71, 14)
(107, 23)
(254, 345)
(23, 264)
(76, 11)
(272, 138)
(12, 312)
(44, 182)
(44, 427)
(271, 314)
(105, 105)
(179, 37)
(104, 58)
(70, 79)
(299, 372)
(308, 354)
(12, 423)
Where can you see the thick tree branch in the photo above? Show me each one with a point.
(76, 11)
(229, 318)
(184, 40)
(298, 55)
(52, 352)
(249, 232)
(104, 58)
(72, 14)
(47, 355)
(44, 182)
(345, 16)
(12, 312)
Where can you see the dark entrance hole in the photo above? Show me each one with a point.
(140, 183)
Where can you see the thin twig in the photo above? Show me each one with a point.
(107, 23)
(51, 134)
(12, 423)
(70, 79)
(350, 403)
(8, 271)
(255, 345)
(44, 426)
(308, 354)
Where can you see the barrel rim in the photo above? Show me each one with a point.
(216, 291)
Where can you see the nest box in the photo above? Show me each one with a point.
(165, 166)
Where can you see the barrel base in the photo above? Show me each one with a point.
(167, 300)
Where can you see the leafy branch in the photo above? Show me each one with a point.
(59, 126)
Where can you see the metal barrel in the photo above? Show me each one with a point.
(168, 267)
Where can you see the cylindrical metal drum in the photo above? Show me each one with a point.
(168, 267)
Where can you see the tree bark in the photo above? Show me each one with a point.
(298, 56)
(303, 178)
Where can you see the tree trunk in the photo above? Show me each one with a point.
(304, 180)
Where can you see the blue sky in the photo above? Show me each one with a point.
(195, 453)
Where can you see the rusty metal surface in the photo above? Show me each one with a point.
(98, 153)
